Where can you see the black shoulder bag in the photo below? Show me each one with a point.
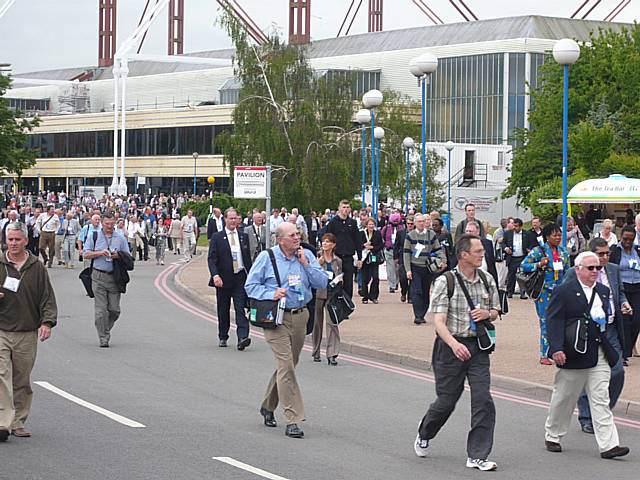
(533, 281)
(485, 330)
(85, 275)
(263, 313)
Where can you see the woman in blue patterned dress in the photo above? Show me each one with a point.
(554, 259)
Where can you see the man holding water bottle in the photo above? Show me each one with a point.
(459, 353)
(102, 248)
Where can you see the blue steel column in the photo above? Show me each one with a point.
(406, 200)
(565, 133)
(364, 159)
(424, 144)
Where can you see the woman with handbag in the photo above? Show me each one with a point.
(372, 245)
(333, 266)
(553, 260)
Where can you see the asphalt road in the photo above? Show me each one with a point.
(197, 401)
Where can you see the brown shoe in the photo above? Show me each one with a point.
(553, 446)
(21, 432)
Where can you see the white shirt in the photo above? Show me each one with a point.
(236, 253)
(274, 222)
(48, 223)
(517, 244)
(604, 279)
(218, 223)
(189, 225)
(597, 310)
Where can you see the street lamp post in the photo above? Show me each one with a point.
(565, 52)
(195, 160)
(421, 67)
(371, 100)
(378, 134)
(364, 117)
(449, 146)
(408, 144)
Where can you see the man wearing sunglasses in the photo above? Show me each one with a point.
(577, 319)
(609, 276)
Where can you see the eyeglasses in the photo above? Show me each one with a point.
(591, 268)
(603, 254)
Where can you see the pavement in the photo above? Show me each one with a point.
(165, 402)
(386, 332)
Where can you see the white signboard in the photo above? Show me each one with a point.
(250, 182)
(142, 180)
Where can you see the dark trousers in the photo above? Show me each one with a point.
(420, 286)
(631, 322)
(348, 270)
(370, 281)
(450, 374)
(514, 263)
(145, 241)
(404, 281)
(223, 299)
(616, 383)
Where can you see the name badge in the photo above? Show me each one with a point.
(234, 255)
(419, 248)
(393, 238)
(633, 265)
(557, 266)
(329, 274)
(540, 240)
(294, 280)
(374, 258)
(11, 284)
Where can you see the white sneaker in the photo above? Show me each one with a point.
(420, 446)
(480, 464)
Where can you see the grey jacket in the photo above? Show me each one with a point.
(336, 266)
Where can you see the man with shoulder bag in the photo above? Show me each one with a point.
(461, 351)
(576, 321)
(298, 272)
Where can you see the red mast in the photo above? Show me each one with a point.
(175, 39)
(299, 21)
(375, 15)
(106, 32)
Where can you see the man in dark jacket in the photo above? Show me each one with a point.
(516, 246)
(346, 231)
(28, 311)
(577, 317)
(229, 262)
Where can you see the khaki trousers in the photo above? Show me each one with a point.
(567, 388)
(59, 242)
(47, 246)
(17, 357)
(286, 342)
(333, 334)
(107, 303)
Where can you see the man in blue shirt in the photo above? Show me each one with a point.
(299, 272)
(108, 243)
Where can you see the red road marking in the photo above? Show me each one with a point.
(161, 284)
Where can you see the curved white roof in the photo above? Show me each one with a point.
(614, 189)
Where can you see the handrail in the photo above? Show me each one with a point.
(480, 174)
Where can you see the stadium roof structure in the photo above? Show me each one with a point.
(530, 26)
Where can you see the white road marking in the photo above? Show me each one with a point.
(91, 406)
(249, 468)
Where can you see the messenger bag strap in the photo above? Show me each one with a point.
(95, 238)
(275, 267)
(465, 291)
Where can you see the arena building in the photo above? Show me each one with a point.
(476, 98)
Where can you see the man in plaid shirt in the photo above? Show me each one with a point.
(457, 354)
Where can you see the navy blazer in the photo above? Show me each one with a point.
(617, 292)
(212, 226)
(508, 242)
(568, 302)
(221, 261)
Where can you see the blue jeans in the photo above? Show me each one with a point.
(615, 384)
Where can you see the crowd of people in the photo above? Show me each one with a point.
(465, 277)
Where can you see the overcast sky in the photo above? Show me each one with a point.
(49, 34)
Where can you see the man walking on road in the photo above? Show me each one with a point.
(299, 272)
(577, 316)
(48, 224)
(457, 353)
(103, 247)
(28, 311)
(346, 231)
(229, 261)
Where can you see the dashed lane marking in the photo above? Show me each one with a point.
(248, 468)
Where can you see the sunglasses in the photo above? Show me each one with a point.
(591, 268)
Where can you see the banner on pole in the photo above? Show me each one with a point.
(250, 182)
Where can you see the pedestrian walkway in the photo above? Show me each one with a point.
(386, 332)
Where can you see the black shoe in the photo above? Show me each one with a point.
(509, 295)
(244, 343)
(104, 344)
(222, 343)
(523, 296)
(553, 446)
(293, 431)
(4, 435)
(615, 452)
(332, 361)
(403, 298)
(375, 301)
(419, 321)
(269, 418)
(364, 300)
(587, 428)
(316, 359)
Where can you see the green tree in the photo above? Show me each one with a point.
(604, 115)
(14, 156)
(301, 122)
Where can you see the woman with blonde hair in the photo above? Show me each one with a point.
(607, 232)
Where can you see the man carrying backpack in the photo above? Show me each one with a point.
(461, 351)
